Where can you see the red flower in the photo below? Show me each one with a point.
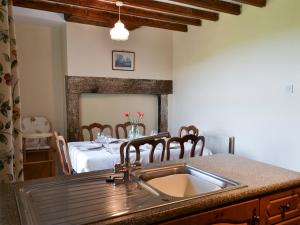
(126, 114)
(140, 114)
(8, 79)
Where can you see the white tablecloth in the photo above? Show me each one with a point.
(86, 157)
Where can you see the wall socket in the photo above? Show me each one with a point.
(289, 89)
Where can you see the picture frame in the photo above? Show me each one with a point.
(123, 60)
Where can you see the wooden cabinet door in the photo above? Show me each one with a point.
(294, 221)
(239, 214)
(280, 207)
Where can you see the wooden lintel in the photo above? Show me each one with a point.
(75, 86)
(218, 5)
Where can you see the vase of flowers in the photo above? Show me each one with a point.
(134, 121)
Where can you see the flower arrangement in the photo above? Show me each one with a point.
(134, 119)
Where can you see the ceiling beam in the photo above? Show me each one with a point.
(72, 18)
(172, 9)
(103, 5)
(258, 3)
(95, 15)
(113, 18)
(217, 5)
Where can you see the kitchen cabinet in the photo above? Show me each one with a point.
(281, 208)
(244, 213)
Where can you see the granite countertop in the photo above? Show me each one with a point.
(260, 178)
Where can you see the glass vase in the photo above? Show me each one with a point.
(133, 132)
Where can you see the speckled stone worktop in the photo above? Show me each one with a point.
(261, 179)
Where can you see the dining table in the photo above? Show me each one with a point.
(87, 156)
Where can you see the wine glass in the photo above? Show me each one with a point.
(98, 137)
(153, 132)
(108, 139)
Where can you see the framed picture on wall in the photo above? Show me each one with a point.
(123, 60)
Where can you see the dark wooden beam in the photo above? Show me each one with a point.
(172, 9)
(134, 21)
(103, 5)
(91, 14)
(72, 18)
(258, 3)
(217, 5)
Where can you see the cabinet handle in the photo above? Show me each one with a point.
(255, 220)
(285, 207)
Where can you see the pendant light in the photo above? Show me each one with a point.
(119, 32)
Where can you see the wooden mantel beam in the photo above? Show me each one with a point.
(217, 5)
(96, 15)
(104, 5)
(258, 3)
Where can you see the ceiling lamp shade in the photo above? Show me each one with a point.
(119, 32)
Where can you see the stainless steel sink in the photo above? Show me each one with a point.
(183, 181)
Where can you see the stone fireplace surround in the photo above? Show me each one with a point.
(76, 85)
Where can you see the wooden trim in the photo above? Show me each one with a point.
(75, 86)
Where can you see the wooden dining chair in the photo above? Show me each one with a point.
(126, 126)
(194, 139)
(93, 126)
(191, 129)
(137, 145)
(64, 156)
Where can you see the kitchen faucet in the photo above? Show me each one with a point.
(127, 167)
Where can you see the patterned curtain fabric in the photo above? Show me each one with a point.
(11, 158)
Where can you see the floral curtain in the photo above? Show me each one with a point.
(11, 160)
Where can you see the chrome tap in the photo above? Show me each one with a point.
(127, 167)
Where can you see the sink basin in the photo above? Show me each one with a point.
(184, 181)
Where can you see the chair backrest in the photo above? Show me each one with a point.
(181, 140)
(137, 145)
(36, 124)
(93, 126)
(64, 156)
(154, 143)
(122, 152)
(191, 129)
(125, 127)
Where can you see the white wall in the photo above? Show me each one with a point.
(41, 70)
(49, 49)
(231, 77)
(89, 50)
(89, 53)
(109, 109)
